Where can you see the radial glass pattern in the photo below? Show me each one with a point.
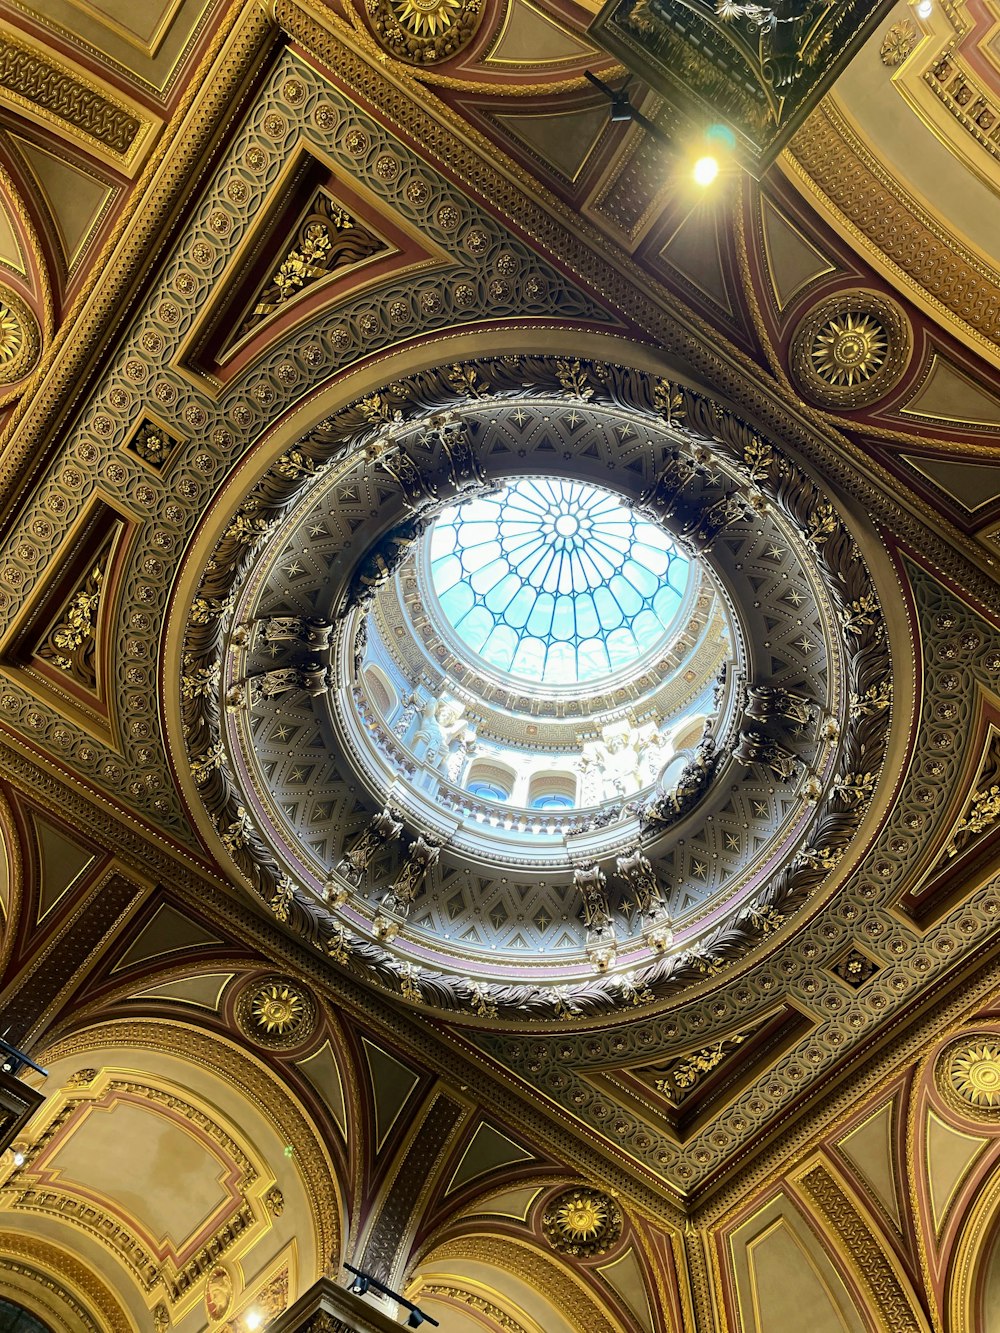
(555, 582)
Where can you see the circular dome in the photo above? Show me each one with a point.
(404, 804)
(555, 582)
(555, 749)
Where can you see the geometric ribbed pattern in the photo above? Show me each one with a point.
(555, 582)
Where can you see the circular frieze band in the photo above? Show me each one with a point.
(850, 350)
(668, 890)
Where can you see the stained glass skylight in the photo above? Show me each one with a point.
(555, 582)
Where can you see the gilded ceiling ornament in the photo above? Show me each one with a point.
(326, 239)
(71, 643)
(276, 1012)
(20, 341)
(974, 1070)
(153, 444)
(424, 32)
(850, 350)
(582, 1222)
(898, 42)
(218, 1294)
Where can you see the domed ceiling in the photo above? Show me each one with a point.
(521, 819)
(500, 732)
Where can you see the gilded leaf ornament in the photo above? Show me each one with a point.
(71, 643)
(326, 240)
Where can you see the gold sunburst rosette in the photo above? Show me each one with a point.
(424, 32)
(850, 350)
(276, 1012)
(582, 1221)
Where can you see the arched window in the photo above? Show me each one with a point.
(489, 781)
(379, 691)
(488, 791)
(552, 801)
(552, 791)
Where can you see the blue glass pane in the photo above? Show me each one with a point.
(487, 791)
(553, 802)
(555, 582)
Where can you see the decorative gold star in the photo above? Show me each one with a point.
(582, 1216)
(975, 1073)
(276, 1008)
(425, 18)
(849, 349)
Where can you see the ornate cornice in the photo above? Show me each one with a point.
(234, 54)
(828, 158)
(69, 1280)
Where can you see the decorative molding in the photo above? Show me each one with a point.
(836, 164)
(262, 1090)
(34, 1188)
(67, 1278)
(28, 78)
(566, 1283)
(870, 1266)
(582, 1222)
(850, 350)
(27, 435)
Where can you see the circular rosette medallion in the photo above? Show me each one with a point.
(968, 1076)
(850, 350)
(583, 1222)
(276, 1012)
(20, 341)
(424, 32)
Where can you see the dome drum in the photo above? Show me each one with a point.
(456, 840)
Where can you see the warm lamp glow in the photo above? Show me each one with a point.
(253, 1319)
(925, 8)
(705, 170)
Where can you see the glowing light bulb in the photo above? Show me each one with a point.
(924, 9)
(253, 1319)
(19, 1159)
(705, 170)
